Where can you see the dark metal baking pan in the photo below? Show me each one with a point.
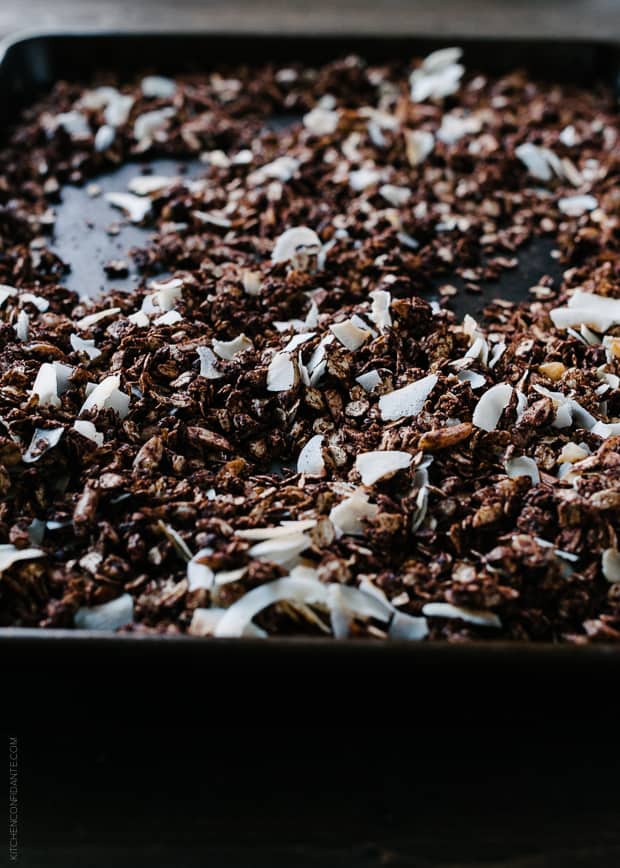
(516, 676)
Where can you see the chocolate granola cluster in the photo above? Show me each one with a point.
(285, 429)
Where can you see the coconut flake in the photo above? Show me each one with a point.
(41, 304)
(148, 126)
(380, 309)
(475, 380)
(408, 627)
(472, 616)
(567, 410)
(419, 145)
(350, 335)
(145, 185)
(296, 245)
(610, 563)
(283, 550)
(21, 326)
(158, 86)
(321, 121)
(522, 466)
(310, 459)
(296, 590)
(43, 439)
(373, 466)
(135, 207)
(80, 345)
(408, 401)
(285, 528)
(208, 364)
(229, 349)
(396, 196)
(362, 178)
(281, 373)
(575, 206)
(540, 162)
(438, 76)
(109, 616)
(45, 386)
(6, 292)
(107, 395)
(199, 575)
(10, 555)
(169, 318)
(455, 126)
(74, 123)
(587, 308)
(369, 381)
(104, 138)
(88, 430)
(347, 517)
(252, 282)
(491, 405)
(92, 318)
(281, 169)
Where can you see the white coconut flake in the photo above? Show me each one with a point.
(283, 550)
(369, 381)
(45, 386)
(438, 76)
(150, 125)
(10, 555)
(6, 292)
(109, 616)
(373, 466)
(229, 349)
(281, 373)
(281, 169)
(522, 466)
(21, 326)
(88, 430)
(321, 121)
(41, 304)
(295, 590)
(80, 345)
(92, 318)
(42, 441)
(135, 207)
(455, 126)
(408, 627)
(252, 282)
(540, 162)
(297, 340)
(158, 86)
(475, 380)
(227, 577)
(348, 516)
(139, 319)
(408, 401)
(575, 206)
(296, 245)
(145, 185)
(567, 410)
(610, 564)
(472, 616)
(74, 123)
(107, 395)
(350, 335)
(285, 528)
(104, 138)
(118, 108)
(587, 308)
(380, 309)
(169, 318)
(396, 196)
(361, 179)
(199, 575)
(208, 364)
(310, 459)
(491, 405)
(419, 145)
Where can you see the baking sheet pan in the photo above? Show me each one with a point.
(520, 676)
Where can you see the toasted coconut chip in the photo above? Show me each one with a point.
(310, 459)
(491, 405)
(229, 349)
(284, 550)
(88, 430)
(380, 309)
(610, 563)
(104, 138)
(575, 206)
(408, 627)
(92, 318)
(438, 76)
(475, 380)
(199, 575)
(350, 335)
(396, 196)
(158, 86)
(107, 395)
(321, 121)
(373, 466)
(285, 529)
(21, 326)
(42, 440)
(587, 308)
(81, 345)
(135, 207)
(522, 466)
(281, 373)
(208, 364)
(296, 245)
(10, 555)
(149, 125)
(408, 401)
(144, 185)
(369, 381)
(419, 145)
(109, 616)
(349, 515)
(472, 616)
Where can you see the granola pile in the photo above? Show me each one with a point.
(285, 429)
